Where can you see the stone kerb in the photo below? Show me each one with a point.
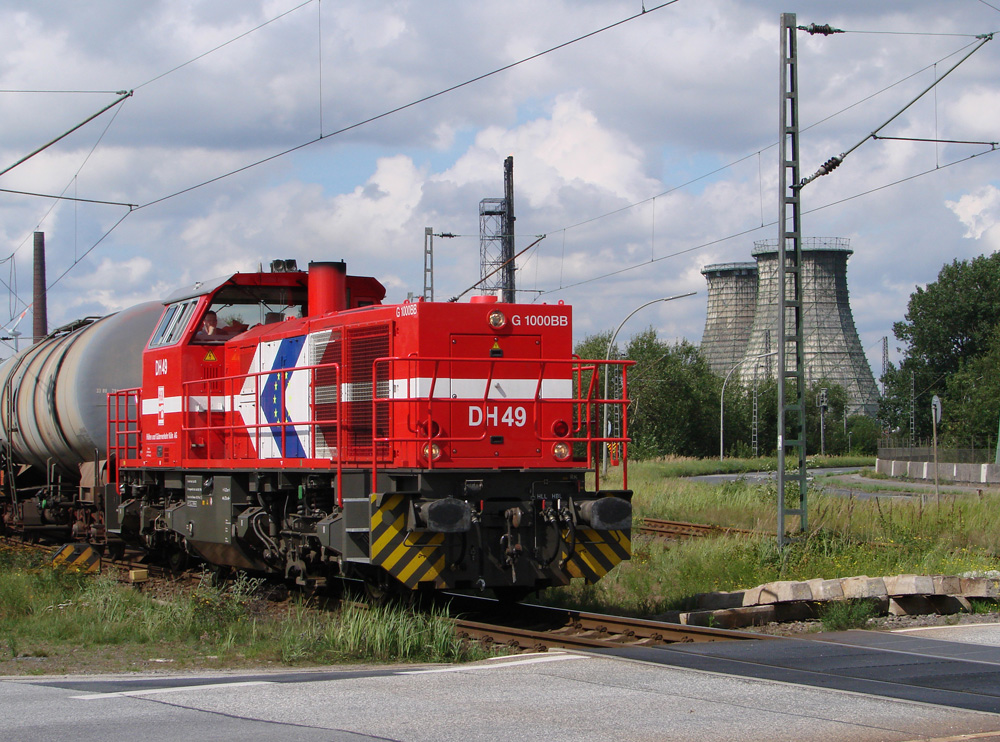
(792, 600)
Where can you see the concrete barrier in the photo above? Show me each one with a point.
(963, 473)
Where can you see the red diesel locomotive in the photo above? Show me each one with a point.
(288, 422)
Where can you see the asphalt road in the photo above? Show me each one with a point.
(557, 697)
(846, 477)
(764, 476)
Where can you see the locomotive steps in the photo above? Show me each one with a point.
(897, 595)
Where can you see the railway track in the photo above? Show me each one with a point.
(532, 628)
(521, 628)
(16, 543)
(125, 566)
(675, 529)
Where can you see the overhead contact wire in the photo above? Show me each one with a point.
(223, 45)
(772, 223)
(405, 106)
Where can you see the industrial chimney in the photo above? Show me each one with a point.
(40, 321)
(831, 348)
(732, 298)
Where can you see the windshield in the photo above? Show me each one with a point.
(236, 309)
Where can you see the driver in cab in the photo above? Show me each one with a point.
(210, 324)
(210, 329)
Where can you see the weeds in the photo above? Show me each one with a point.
(841, 615)
(676, 466)
(10, 641)
(984, 605)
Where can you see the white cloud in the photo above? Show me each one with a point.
(978, 211)
(640, 110)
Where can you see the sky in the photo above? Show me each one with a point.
(643, 152)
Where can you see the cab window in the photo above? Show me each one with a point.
(173, 323)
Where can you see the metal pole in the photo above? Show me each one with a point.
(722, 397)
(607, 358)
(507, 240)
(937, 494)
(789, 278)
(822, 431)
(428, 264)
(787, 41)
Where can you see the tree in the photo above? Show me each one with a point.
(955, 316)
(674, 395)
(971, 400)
(863, 437)
(952, 346)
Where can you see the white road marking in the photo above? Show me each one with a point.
(150, 691)
(498, 665)
(943, 626)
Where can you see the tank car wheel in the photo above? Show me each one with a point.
(116, 550)
(218, 574)
(177, 560)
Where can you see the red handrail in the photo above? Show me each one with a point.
(579, 402)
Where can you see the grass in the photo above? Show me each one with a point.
(847, 536)
(59, 621)
(67, 621)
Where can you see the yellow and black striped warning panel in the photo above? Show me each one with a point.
(79, 557)
(410, 557)
(596, 552)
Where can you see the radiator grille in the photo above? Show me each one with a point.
(364, 345)
(327, 348)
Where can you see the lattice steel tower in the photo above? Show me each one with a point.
(496, 240)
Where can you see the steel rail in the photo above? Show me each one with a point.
(680, 529)
(538, 628)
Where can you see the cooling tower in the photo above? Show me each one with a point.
(831, 347)
(732, 297)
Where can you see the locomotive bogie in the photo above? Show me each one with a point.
(443, 530)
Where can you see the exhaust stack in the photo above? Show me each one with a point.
(327, 288)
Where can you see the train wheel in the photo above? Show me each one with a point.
(116, 550)
(511, 594)
(382, 588)
(177, 560)
(218, 575)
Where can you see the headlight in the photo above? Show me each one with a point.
(428, 429)
(431, 451)
(561, 451)
(497, 319)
